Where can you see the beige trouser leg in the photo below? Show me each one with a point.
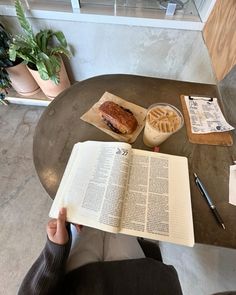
(92, 245)
(87, 247)
(121, 247)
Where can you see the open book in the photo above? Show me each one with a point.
(112, 187)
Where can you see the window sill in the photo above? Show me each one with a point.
(187, 23)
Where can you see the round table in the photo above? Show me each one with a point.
(60, 127)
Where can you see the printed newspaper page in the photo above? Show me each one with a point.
(93, 185)
(157, 204)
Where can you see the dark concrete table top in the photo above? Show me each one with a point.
(60, 127)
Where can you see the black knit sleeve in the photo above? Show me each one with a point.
(47, 271)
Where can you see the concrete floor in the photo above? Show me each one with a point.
(24, 204)
(24, 207)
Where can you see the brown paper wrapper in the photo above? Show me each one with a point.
(92, 117)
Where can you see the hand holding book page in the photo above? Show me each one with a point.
(112, 187)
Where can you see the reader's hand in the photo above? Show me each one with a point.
(56, 229)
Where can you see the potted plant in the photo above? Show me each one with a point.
(5, 84)
(42, 54)
(14, 73)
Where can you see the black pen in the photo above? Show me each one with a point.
(208, 199)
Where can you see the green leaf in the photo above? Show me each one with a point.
(42, 39)
(12, 53)
(5, 82)
(47, 67)
(61, 38)
(56, 79)
(42, 70)
(22, 19)
(60, 50)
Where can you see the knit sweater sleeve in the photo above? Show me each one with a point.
(47, 271)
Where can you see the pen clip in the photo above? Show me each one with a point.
(200, 98)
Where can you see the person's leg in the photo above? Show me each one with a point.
(87, 247)
(121, 247)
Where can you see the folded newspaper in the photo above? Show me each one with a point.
(205, 115)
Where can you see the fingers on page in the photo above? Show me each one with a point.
(61, 217)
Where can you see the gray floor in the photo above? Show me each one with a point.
(24, 207)
(24, 204)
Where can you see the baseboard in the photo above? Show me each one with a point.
(38, 99)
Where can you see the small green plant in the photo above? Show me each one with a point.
(5, 83)
(41, 51)
(5, 62)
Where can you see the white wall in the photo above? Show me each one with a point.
(108, 48)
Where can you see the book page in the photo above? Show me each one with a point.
(93, 185)
(157, 202)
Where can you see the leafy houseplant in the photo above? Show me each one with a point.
(5, 82)
(38, 50)
(13, 73)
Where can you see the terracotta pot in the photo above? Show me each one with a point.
(22, 81)
(49, 88)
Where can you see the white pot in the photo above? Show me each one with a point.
(49, 88)
(22, 81)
